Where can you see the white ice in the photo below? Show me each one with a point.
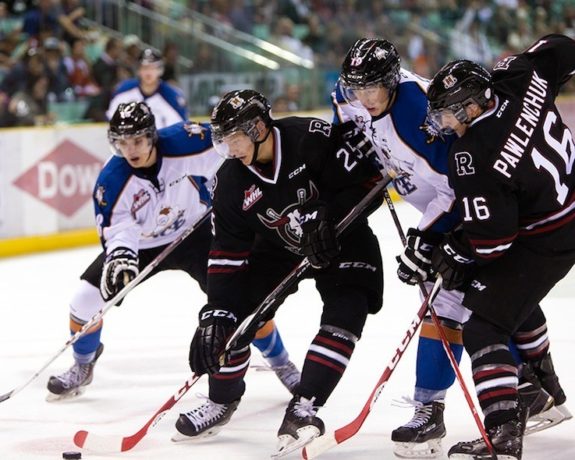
(145, 362)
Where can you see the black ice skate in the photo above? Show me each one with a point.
(72, 383)
(289, 375)
(506, 439)
(421, 436)
(299, 427)
(545, 372)
(542, 411)
(204, 421)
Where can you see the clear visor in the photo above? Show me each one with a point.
(231, 144)
(445, 120)
(354, 95)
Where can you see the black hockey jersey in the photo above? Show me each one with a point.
(512, 169)
(310, 162)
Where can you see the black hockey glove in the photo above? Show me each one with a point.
(214, 328)
(452, 261)
(120, 267)
(318, 242)
(358, 142)
(415, 262)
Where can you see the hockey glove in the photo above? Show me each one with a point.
(318, 242)
(451, 260)
(359, 143)
(415, 262)
(120, 267)
(214, 328)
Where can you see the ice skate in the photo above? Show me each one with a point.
(506, 439)
(543, 412)
(204, 421)
(73, 382)
(289, 375)
(545, 372)
(421, 436)
(299, 427)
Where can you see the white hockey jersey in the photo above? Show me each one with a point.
(405, 145)
(167, 104)
(144, 208)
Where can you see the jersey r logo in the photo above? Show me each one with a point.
(464, 164)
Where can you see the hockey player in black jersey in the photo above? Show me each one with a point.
(511, 169)
(286, 184)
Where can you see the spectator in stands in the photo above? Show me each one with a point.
(30, 66)
(170, 55)
(71, 21)
(79, 71)
(42, 21)
(29, 107)
(55, 68)
(106, 74)
(283, 36)
(166, 101)
(132, 51)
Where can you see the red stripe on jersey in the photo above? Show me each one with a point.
(496, 393)
(334, 344)
(228, 254)
(227, 269)
(325, 362)
(488, 373)
(550, 226)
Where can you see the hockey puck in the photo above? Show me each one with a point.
(72, 455)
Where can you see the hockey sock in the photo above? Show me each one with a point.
(228, 385)
(325, 363)
(494, 370)
(531, 337)
(434, 374)
(86, 346)
(269, 342)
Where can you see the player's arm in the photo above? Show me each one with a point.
(119, 233)
(553, 58)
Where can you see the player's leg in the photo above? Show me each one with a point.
(421, 436)
(85, 303)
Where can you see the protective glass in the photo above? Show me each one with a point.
(354, 95)
(445, 120)
(231, 144)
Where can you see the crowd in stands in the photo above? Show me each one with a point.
(48, 54)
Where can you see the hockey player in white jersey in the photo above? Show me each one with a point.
(147, 194)
(166, 101)
(386, 105)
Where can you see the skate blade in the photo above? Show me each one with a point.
(210, 433)
(53, 397)
(429, 449)
(551, 417)
(288, 444)
(566, 413)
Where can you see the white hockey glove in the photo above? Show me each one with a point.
(415, 262)
(120, 268)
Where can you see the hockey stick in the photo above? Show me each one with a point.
(113, 301)
(268, 305)
(114, 444)
(444, 340)
(320, 445)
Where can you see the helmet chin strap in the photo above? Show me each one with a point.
(257, 147)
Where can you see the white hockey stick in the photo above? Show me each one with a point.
(114, 443)
(119, 296)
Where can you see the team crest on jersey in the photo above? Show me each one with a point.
(287, 222)
(194, 129)
(449, 81)
(169, 220)
(251, 195)
(464, 164)
(140, 200)
(504, 63)
(431, 133)
(99, 196)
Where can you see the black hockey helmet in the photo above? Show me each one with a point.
(150, 56)
(132, 119)
(456, 85)
(369, 62)
(239, 110)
